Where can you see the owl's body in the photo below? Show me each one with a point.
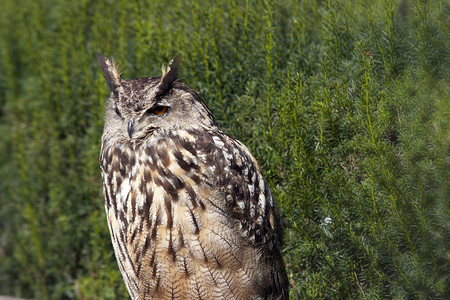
(189, 212)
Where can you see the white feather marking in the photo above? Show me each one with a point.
(251, 188)
(241, 204)
(125, 189)
(218, 142)
(262, 202)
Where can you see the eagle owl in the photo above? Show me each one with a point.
(190, 215)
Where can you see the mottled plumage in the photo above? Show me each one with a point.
(190, 215)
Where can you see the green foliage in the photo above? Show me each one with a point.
(345, 104)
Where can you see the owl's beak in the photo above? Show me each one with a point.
(130, 128)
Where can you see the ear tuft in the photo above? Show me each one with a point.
(110, 72)
(170, 74)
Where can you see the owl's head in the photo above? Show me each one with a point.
(142, 107)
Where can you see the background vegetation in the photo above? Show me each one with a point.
(344, 103)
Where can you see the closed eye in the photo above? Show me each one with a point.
(157, 110)
(118, 112)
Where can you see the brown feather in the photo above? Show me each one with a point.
(110, 72)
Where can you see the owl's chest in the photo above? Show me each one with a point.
(175, 228)
(165, 195)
